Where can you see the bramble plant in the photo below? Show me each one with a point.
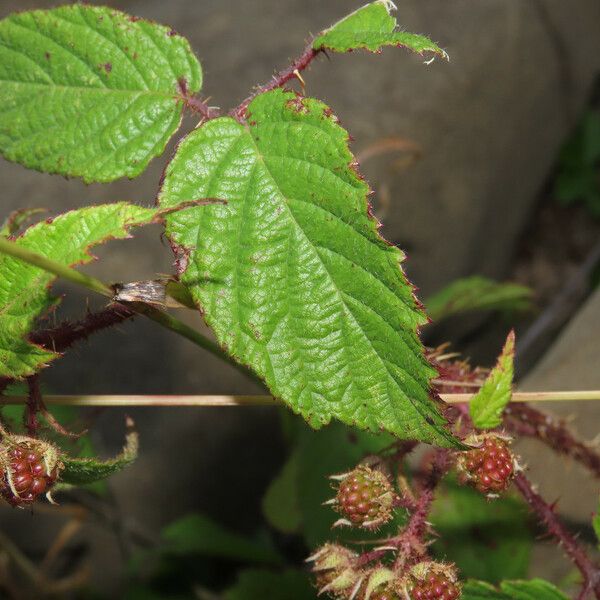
(268, 217)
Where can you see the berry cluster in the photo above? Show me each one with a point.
(489, 468)
(25, 475)
(435, 587)
(365, 498)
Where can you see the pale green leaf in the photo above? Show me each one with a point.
(487, 405)
(291, 272)
(535, 589)
(16, 219)
(280, 502)
(24, 291)
(371, 28)
(83, 471)
(478, 293)
(88, 91)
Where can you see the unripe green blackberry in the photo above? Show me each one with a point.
(489, 468)
(336, 571)
(364, 498)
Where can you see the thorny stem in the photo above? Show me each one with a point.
(546, 514)
(202, 108)
(525, 420)
(34, 403)
(158, 316)
(278, 80)
(409, 542)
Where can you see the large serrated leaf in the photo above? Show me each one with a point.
(291, 272)
(371, 28)
(83, 471)
(91, 92)
(535, 589)
(24, 291)
(487, 406)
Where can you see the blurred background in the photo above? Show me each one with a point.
(484, 166)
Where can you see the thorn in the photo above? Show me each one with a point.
(339, 477)
(341, 523)
(356, 588)
(428, 62)
(300, 79)
(329, 502)
(392, 548)
(50, 499)
(316, 555)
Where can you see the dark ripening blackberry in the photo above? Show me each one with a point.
(435, 587)
(365, 498)
(25, 477)
(490, 468)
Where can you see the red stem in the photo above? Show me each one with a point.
(66, 334)
(34, 402)
(525, 420)
(278, 80)
(410, 541)
(546, 514)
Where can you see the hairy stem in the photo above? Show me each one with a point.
(34, 403)
(525, 420)
(546, 514)
(58, 269)
(278, 80)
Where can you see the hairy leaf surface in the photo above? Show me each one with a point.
(24, 291)
(88, 91)
(371, 28)
(487, 405)
(291, 272)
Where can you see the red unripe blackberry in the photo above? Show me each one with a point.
(365, 498)
(25, 475)
(489, 468)
(432, 581)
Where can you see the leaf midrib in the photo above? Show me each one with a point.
(103, 89)
(339, 292)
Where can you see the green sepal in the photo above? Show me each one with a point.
(82, 471)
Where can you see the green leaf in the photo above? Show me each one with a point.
(16, 219)
(372, 27)
(488, 541)
(200, 535)
(280, 502)
(83, 471)
(478, 293)
(291, 272)
(88, 91)
(487, 405)
(254, 584)
(535, 589)
(24, 291)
